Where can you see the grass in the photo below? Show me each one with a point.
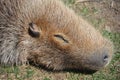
(10, 73)
(112, 72)
(46, 78)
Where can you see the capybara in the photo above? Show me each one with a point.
(50, 34)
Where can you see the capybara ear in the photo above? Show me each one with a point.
(33, 30)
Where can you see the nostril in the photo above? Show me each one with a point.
(99, 59)
(105, 58)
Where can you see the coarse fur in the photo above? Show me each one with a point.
(65, 41)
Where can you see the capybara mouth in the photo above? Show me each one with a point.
(74, 70)
(83, 71)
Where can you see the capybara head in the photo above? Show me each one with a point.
(52, 35)
(70, 47)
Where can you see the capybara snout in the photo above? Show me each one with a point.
(99, 59)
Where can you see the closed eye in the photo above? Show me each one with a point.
(61, 38)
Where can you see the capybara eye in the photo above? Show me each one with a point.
(61, 37)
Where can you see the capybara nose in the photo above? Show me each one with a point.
(100, 59)
(105, 58)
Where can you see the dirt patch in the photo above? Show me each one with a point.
(106, 10)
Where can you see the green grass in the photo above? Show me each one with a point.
(15, 72)
(68, 2)
(46, 78)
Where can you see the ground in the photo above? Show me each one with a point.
(105, 16)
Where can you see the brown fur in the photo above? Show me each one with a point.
(52, 18)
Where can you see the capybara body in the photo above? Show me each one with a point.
(48, 33)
